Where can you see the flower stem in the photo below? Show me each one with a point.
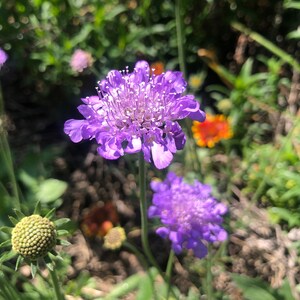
(169, 271)
(209, 277)
(6, 152)
(137, 253)
(144, 219)
(58, 294)
(143, 208)
(143, 261)
(180, 37)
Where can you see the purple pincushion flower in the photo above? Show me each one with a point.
(3, 57)
(136, 112)
(191, 217)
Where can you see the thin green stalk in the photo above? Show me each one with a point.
(192, 153)
(6, 153)
(95, 72)
(137, 253)
(209, 277)
(268, 45)
(169, 272)
(58, 294)
(143, 261)
(180, 37)
(143, 209)
(144, 219)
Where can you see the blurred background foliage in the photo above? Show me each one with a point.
(242, 60)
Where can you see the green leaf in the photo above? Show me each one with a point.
(13, 220)
(50, 190)
(6, 229)
(6, 243)
(114, 12)
(294, 34)
(146, 286)
(61, 222)
(82, 35)
(34, 268)
(50, 213)
(19, 214)
(253, 288)
(19, 261)
(292, 4)
(7, 256)
(62, 232)
(37, 209)
(285, 291)
(64, 243)
(28, 180)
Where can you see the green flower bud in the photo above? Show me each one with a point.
(33, 237)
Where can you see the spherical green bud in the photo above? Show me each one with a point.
(33, 237)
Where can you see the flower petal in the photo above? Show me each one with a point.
(74, 128)
(134, 146)
(161, 156)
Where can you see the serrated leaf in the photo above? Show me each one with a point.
(5, 243)
(51, 190)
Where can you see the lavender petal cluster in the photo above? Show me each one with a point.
(190, 216)
(81, 60)
(136, 112)
(3, 57)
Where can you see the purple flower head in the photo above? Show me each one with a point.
(136, 112)
(81, 60)
(3, 57)
(191, 217)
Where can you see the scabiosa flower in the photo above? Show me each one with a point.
(81, 60)
(211, 131)
(191, 217)
(114, 238)
(33, 239)
(136, 112)
(3, 57)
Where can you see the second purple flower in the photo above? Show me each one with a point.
(136, 112)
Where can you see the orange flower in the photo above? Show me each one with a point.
(99, 220)
(211, 131)
(157, 68)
